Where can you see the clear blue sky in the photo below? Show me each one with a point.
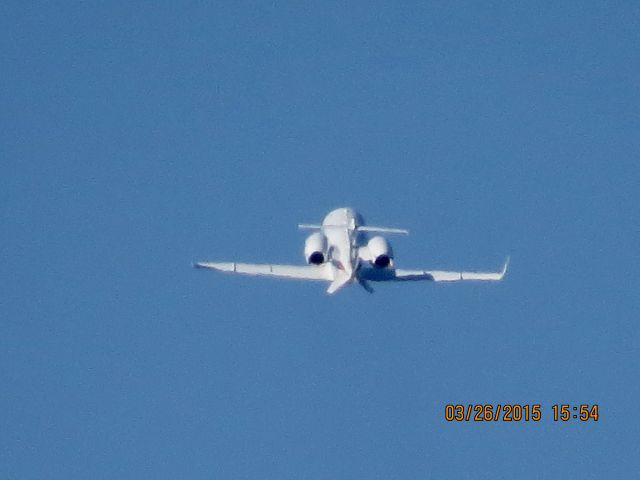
(136, 138)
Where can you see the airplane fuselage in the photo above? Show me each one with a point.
(340, 229)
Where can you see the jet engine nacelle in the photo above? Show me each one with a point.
(315, 249)
(380, 252)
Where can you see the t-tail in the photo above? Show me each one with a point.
(360, 228)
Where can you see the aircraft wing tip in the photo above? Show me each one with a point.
(505, 266)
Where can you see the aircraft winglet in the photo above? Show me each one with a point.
(504, 268)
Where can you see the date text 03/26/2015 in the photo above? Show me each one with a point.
(516, 412)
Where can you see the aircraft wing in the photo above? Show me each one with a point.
(304, 272)
(432, 275)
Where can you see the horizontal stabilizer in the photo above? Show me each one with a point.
(383, 230)
(364, 228)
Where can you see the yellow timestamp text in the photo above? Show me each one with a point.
(516, 412)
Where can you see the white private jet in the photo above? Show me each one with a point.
(340, 252)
